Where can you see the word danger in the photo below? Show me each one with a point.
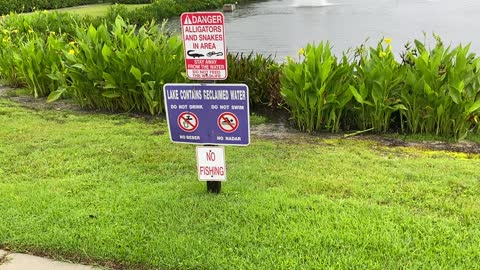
(207, 19)
(194, 94)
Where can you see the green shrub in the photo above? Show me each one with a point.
(42, 23)
(10, 41)
(44, 58)
(260, 73)
(377, 87)
(118, 67)
(163, 9)
(133, 1)
(442, 92)
(432, 91)
(316, 90)
(17, 30)
(197, 5)
(7, 6)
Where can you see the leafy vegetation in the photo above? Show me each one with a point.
(436, 91)
(316, 90)
(163, 9)
(260, 73)
(44, 58)
(106, 66)
(442, 92)
(97, 10)
(377, 88)
(117, 67)
(102, 65)
(7, 6)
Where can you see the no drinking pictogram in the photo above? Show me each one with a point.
(188, 121)
(228, 122)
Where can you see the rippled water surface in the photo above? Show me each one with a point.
(281, 27)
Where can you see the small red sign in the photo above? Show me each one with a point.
(203, 36)
(228, 122)
(188, 121)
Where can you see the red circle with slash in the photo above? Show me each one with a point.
(187, 121)
(228, 122)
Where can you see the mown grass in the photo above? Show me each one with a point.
(114, 188)
(98, 10)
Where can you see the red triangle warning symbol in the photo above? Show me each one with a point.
(187, 20)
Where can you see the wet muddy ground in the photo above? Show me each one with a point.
(277, 127)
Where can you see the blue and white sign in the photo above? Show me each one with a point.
(208, 113)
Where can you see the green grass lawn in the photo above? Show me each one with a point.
(103, 188)
(98, 10)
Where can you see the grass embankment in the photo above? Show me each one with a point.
(114, 188)
(98, 10)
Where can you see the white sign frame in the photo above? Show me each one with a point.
(211, 165)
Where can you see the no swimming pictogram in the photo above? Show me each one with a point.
(228, 122)
(188, 121)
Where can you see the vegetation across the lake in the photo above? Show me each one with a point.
(99, 10)
(109, 188)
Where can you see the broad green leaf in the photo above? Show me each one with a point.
(109, 86)
(106, 52)
(110, 81)
(427, 88)
(80, 66)
(136, 73)
(460, 86)
(111, 94)
(474, 107)
(400, 107)
(55, 95)
(440, 110)
(455, 95)
(356, 95)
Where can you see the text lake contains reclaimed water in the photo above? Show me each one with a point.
(281, 27)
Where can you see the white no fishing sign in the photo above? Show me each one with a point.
(211, 163)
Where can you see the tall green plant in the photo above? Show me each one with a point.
(10, 41)
(376, 88)
(118, 67)
(260, 73)
(316, 89)
(42, 23)
(443, 89)
(37, 59)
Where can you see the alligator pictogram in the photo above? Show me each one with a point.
(189, 53)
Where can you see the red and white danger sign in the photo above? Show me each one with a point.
(204, 43)
(211, 163)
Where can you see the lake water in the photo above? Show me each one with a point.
(281, 27)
